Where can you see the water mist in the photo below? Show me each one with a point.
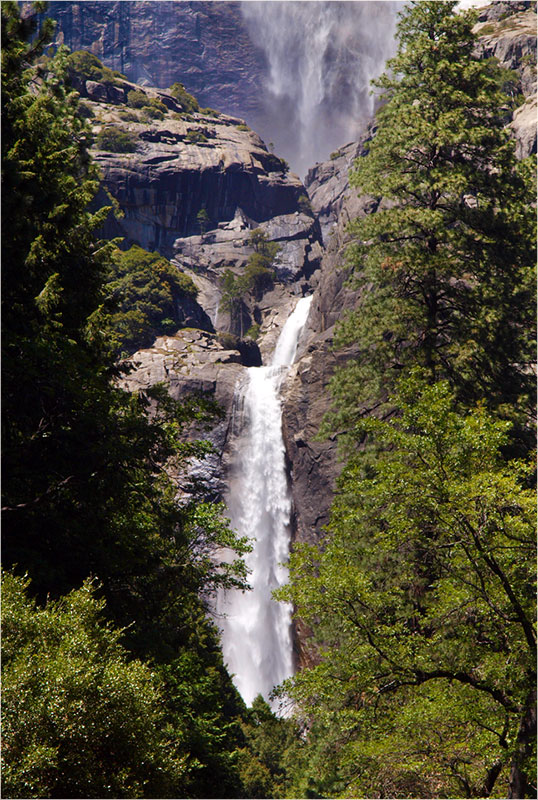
(321, 58)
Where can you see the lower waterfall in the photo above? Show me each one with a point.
(256, 629)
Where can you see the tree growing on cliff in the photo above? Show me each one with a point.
(449, 257)
(257, 277)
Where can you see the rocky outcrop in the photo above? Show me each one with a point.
(193, 362)
(333, 200)
(507, 32)
(182, 164)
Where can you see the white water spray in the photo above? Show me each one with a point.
(322, 56)
(256, 631)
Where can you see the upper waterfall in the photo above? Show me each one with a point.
(321, 57)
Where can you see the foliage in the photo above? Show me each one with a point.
(137, 98)
(423, 598)
(253, 332)
(87, 491)
(195, 136)
(143, 294)
(305, 205)
(450, 254)
(188, 102)
(80, 718)
(153, 108)
(257, 277)
(150, 112)
(271, 759)
(203, 219)
(86, 65)
(115, 140)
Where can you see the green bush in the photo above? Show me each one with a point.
(228, 340)
(87, 65)
(188, 102)
(150, 112)
(209, 112)
(129, 116)
(115, 140)
(143, 292)
(137, 99)
(243, 127)
(80, 717)
(195, 137)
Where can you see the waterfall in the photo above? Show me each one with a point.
(321, 58)
(256, 631)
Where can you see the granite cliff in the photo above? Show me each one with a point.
(184, 162)
(203, 44)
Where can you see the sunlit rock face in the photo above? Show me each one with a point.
(298, 72)
(507, 32)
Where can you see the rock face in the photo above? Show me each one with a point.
(507, 32)
(193, 362)
(182, 164)
(204, 45)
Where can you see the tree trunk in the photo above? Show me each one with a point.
(519, 786)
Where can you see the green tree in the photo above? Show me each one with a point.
(80, 717)
(203, 220)
(423, 599)
(446, 262)
(143, 293)
(86, 490)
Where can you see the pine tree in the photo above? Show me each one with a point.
(447, 261)
(421, 596)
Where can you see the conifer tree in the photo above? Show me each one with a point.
(447, 261)
(422, 594)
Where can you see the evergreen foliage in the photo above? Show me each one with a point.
(86, 65)
(143, 292)
(450, 255)
(189, 103)
(257, 277)
(87, 493)
(422, 596)
(114, 140)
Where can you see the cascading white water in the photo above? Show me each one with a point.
(256, 631)
(322, 56)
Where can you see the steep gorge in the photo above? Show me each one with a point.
(185, 163)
